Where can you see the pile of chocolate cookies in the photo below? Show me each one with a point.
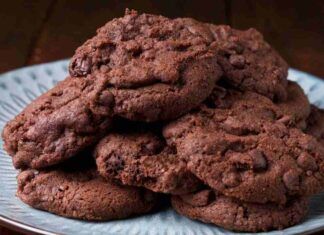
(202, 113)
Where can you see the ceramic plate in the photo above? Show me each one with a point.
(19, 87)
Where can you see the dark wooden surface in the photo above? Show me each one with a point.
(45, 30)
(40, 31)
(5, 231)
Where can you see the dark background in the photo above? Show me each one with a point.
(36, 31)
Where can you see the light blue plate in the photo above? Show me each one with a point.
(19, 87)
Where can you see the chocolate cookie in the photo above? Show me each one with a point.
(82, 195)
(143, 159)
(176, 72)
(315, 124)
(141, 67)
(296, 107)
(58, 124)
(156, 68)
(232, 214)
(245, 146)
(249, 63)
(159, 68)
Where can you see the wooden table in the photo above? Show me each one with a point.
(46, 30)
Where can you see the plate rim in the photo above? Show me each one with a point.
(22, 227)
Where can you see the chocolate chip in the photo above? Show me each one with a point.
(114, 164)
(148, 55)
(231, 47)
(105, 51)
(198, 29)
(104, 68)
(217, 98)
(236, 127)
(258, 160)
(151, 148)
(25, 177)
(286, 119)
(106, 98)
(231, 179)
(80, 66)
(237, 61)
(308, 144)
(242, 162)
(307, 162)
(232, 126)
(291, 179)
(134, 48)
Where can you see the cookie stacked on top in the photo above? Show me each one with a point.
(201, 112)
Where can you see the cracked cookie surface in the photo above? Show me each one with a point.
(232, 214)
(141, 67)
(58, 124)
(156, 68)
(143, 159)
(250, 63)
(149, 58)
(245, 146)
(82, 194)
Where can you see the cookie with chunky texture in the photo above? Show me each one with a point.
(82, 195)
(176, 75)
(160, 68)
(142, 67)
(58, 124)
(235, 215)
(143, 159)
(245, 146)
(250, 63)
(156, 68)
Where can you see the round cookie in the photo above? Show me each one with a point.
(142, 67)
(82, 195)
(234, 215)
(57, 125)
(245, 146)
(250, 63)
(315, 124)
(143, 159)
(156, 68)
(159, 68)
